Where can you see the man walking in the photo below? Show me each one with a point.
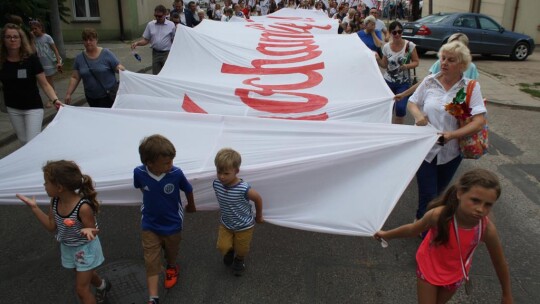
(160, 34)
(380, 26)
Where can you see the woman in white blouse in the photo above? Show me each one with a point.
(427, 105)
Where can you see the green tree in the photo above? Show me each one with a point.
(49, 12)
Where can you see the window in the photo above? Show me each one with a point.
(86, 10)
(488, 24)
(466, 21)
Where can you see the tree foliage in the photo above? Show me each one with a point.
(32, 9)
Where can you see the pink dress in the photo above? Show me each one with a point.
(440, 265)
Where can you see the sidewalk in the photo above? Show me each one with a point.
(493, 89)
(120, 49)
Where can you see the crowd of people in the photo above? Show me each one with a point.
(445, 215)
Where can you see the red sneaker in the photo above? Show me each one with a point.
(171, 276)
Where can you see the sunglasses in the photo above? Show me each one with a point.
(397, 32)
(159, 16)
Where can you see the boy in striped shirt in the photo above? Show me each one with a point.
(237, 218)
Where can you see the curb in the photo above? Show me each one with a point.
(47, 118)
(500, 103)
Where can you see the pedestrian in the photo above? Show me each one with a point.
(21, 73)
(192, 17)
(47, 52)
(399, 56)
(160, 34)
(237, 220)
(457, 221)
(97, 67)
(427, 104)
(371, 37)
(379, 24)
(162, 212)
(72, 217)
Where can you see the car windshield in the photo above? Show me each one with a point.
(433, 19)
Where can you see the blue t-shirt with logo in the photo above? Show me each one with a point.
(162, 211)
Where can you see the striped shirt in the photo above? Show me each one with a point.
(236, 211)
(68, 228)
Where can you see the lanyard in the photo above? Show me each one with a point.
(465, 275)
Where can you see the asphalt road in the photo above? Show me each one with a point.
(292, 266)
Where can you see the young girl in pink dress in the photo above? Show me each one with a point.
(457, 223)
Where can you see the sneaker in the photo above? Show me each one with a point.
(153, 301)
(171, 276)
(101, 294)
(238, 267)
(228, 258)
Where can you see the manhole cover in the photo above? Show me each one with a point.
(128, 279)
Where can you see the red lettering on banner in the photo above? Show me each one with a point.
(189, 106)
(288, 43)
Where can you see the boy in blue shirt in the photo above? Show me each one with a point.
(237, 218)
(162, 212)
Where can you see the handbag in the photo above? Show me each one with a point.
(111, 93)
(413, 79)
(475, 145)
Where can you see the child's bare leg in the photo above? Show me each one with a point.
(152, 282)
(427, 293)
(444, 295)
(82, 286)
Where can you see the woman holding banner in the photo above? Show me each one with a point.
(428, 104)
(399, 56)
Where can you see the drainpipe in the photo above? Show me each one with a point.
(121, 20)
(515, 15)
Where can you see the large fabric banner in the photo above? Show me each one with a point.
(332, 177)
(278, 70)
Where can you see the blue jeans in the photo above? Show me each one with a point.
(432, 180)
(400, 106)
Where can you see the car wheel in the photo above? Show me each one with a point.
(520, 51)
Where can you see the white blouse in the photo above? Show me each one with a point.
(431, 97)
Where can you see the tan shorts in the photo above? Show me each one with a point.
(237, 240)
(153, 244)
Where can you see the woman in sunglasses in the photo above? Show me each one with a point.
(399, 56)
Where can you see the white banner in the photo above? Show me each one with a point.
(278, 70)
(332, 177)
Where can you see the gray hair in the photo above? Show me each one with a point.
(369, 19)
(460, 50)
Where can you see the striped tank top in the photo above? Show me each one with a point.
(68, 228)
(236, 211)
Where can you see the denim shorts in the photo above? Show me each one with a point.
(84, 257)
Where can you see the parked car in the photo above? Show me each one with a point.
(486, 36)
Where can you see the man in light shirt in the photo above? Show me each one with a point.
(379, 25)
(160, 34)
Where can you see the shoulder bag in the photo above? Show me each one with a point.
(111, 94)
(475, 145)
(413, 79)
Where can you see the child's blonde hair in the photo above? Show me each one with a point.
(475, 177)
(67, 174)
(227, 158)
(155, 146)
